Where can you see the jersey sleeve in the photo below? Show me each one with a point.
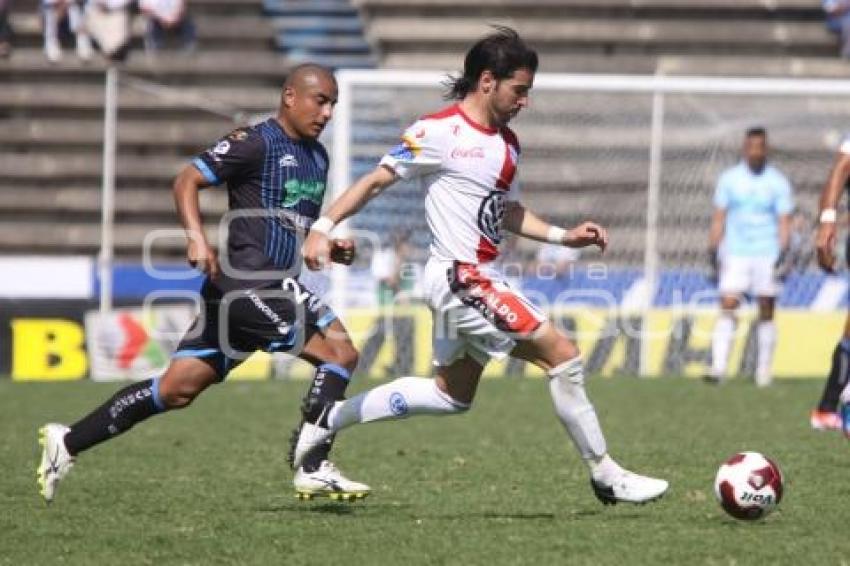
(419, 152)
(233, 156)
(784, 196)
(721, 192)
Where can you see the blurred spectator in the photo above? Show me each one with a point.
(800, 241)
(54, 14)
(5, 29)
(554, 262)
(108, 21)
(167, 18)
(387, 268)
(838, 22)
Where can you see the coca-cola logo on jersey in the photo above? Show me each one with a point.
(476, 152)
(490, 216)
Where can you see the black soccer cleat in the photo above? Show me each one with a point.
(604, 493)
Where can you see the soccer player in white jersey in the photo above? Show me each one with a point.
(825, 415)
(468, 159)
(749, 234)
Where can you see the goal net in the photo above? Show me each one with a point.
(640, 155)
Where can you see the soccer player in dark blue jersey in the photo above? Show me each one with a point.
(253, 298)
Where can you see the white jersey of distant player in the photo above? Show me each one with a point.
(469, 171)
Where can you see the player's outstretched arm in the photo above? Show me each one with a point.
(199, 253)
(318, 247)
(523, 222)
(828, 215)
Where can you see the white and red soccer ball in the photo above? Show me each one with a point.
(748, 486)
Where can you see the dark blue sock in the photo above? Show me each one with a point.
(129, 406)
(329, 384)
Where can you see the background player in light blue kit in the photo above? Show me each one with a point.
(749, 235)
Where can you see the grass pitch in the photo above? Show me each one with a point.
(499, 485)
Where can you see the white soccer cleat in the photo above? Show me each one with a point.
(631, 488)
(55, 459)
(309, 437)
(329, 482)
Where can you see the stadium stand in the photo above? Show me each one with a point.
(170, 108)
(51, 115)
(329, 32)
(614, 35)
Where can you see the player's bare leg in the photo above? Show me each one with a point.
(766, 335)
(181, 383)
(335, 358)
(554, 352)
(722, 338)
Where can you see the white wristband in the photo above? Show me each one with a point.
(828, 215)
(556, 235)
(323, 225)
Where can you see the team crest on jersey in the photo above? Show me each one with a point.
(221, 148)
(490, 215)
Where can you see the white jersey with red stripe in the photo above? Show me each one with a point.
(469, 171)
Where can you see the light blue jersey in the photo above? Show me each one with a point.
(753, 205)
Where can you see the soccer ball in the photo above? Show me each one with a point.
(748, 486)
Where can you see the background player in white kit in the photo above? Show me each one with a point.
(749, 235)
(468, 158)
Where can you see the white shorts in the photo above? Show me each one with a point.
(753, 275)
(476, 312)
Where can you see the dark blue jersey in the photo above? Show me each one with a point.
(275, 187)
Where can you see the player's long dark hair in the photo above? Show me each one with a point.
(502, 53)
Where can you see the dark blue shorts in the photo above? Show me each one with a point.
(232, 326)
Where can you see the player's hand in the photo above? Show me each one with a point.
(587, 234)
(316, 250)
(825, 244)
(342, 251)
(203, 258)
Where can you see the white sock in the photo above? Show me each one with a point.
(605, 470)
(397, 399)
(721, 343)
(766, 333)
(566, 385)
